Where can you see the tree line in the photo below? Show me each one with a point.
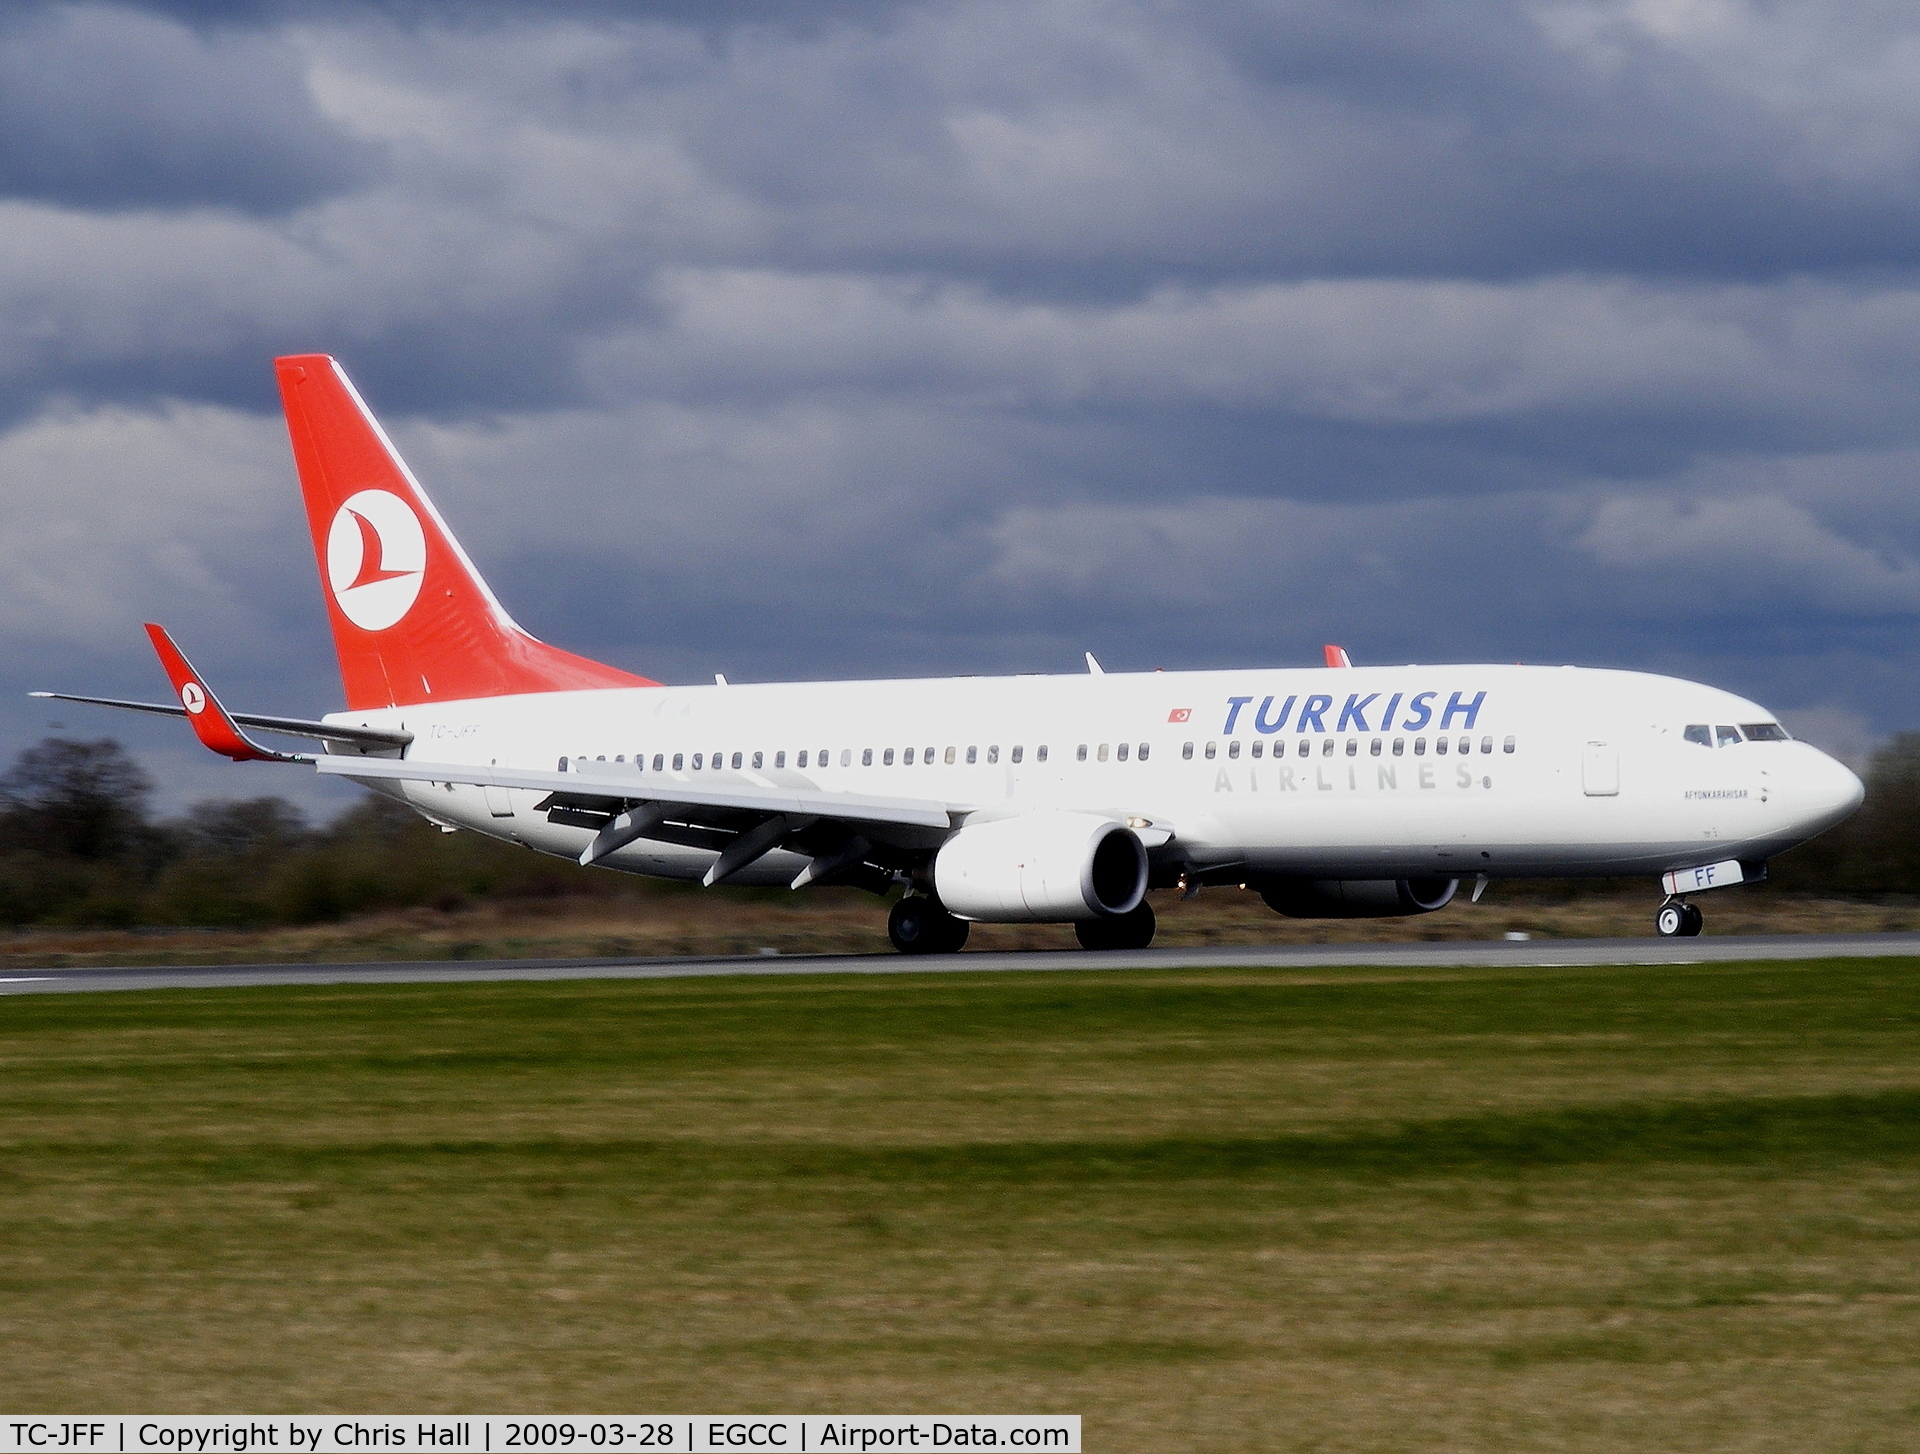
(79, 845)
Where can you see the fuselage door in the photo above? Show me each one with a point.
(498, 803)
(1600, 769)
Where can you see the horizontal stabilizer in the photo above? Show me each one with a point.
(370, 738)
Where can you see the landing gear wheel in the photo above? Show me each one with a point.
(1132, 930)
(918, 925)
(1678, 920)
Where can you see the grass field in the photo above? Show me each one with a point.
(1451, 1209)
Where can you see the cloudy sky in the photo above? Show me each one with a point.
(963, 337)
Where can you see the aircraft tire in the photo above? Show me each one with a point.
(1679, 921)
(1132, 930)
(918, 925)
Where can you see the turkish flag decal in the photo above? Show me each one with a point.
(1180, 714)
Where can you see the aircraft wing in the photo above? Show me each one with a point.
(845, 836)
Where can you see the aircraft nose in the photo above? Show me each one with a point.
(1830, 789)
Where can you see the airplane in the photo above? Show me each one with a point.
(1336, 791)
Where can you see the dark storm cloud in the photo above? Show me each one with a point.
(106, 108)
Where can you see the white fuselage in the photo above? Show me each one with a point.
(1368, 772)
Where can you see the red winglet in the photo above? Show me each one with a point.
(209, 719)
(1337, 656)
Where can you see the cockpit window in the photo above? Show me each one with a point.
(1726, 736)
(1765, 732)
(1701, 733)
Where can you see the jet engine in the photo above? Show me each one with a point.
(1047, 867)
(1355, 898)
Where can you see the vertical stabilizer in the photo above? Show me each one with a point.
(412, 619)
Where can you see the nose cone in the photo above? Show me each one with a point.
(1826, 791)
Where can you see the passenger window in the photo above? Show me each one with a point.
(1040, 753)
(660, 766)
(1466, 746)
(1257, 748)
(1726, 736)
(619, 757)
(993, 754)
(736, 762)
(1699, 732)
(1122, 751)
(679, 761)
(1233, 748)
(927, 757)
(1373, 748)
(601, 758)
(1326, 747)
(866, 757)
(973, 756)
(1102, 753)
(1211, 749)
(949, 756)
(846, 757)
(756, 761)
(906, 759)
(562, 766)
(697, 760)
(1764, 732)
(1399, 747)
(1353, 747)
(1486, 745)
(1507, 746)
(779, 759)
(1305, 747)
(1142, 753)
(1419, 747)
(1439, 747)
(1018, 753)
(801, 760)
(886, 758)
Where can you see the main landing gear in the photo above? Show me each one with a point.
(919, 925)
(1678, 919)
(1132, 930)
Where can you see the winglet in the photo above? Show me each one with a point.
(211, 724)
(1337, 656)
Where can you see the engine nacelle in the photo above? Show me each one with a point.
(1355, 898)
(1042, 867)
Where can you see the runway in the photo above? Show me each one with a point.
(1543, 953)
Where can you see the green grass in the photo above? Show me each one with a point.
(1625, 1208)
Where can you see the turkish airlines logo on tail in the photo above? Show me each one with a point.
(376, 559)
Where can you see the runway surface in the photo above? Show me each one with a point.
(1535, 952)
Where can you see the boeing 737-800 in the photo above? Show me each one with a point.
(1334, 791)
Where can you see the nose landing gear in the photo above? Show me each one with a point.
(1678, 919)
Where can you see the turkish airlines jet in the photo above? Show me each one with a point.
(1333, 792)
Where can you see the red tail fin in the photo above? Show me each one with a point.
(412, 620)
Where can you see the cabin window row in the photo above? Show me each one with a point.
(888, 756)
(1375, 747)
